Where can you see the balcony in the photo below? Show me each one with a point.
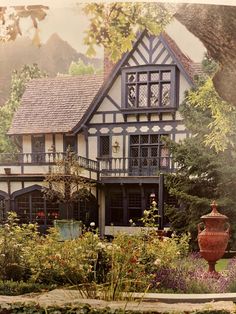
(104, 169)
(19, 164)
(133, 167)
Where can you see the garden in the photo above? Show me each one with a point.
(104, 269)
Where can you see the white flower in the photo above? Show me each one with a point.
(157, 262)
(92, 224)
(146, 212)
(101, 245)
(131, 221)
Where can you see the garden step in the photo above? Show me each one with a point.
(183, 298)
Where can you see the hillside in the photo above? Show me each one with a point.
(53, 57)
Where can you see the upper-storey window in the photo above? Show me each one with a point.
(153, 87)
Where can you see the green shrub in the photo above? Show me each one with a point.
(15, 243)
(11, 287)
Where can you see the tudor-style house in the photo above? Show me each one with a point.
(116, 127)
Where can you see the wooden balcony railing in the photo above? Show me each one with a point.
(123, 167)
(135, 166)
(19, 159)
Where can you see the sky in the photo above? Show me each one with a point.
(66, 18)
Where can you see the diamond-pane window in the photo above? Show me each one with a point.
(154, 95)
(131, 95)
(104, 146)
(155, 76)
(149, 86)
(154, 138)
(131, 77)
(142, 77)
(165, 94)
(144, 139)
(166, 76)
(134, 139)
(134, 152)
(143, 96)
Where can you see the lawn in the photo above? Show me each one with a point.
(222, 264)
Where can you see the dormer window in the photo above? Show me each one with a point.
(149, 87)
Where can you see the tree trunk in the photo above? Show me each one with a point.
(215, 26)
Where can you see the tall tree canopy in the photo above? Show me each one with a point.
(204, 172)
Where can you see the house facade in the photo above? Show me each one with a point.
(116, 126)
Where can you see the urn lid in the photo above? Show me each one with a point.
(214, 213)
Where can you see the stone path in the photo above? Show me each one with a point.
(62, 297)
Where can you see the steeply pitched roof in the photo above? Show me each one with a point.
(187, 65)
(55, 105)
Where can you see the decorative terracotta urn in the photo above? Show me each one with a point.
(213, 239)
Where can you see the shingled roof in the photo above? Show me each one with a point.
(191, 68)
(54, 105)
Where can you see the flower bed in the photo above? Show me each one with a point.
(98, 268)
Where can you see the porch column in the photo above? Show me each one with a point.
(101, 213)
(161, 201)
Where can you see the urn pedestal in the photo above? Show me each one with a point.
(213, 239)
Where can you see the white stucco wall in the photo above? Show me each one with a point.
(59, 142)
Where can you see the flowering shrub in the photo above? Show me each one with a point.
(190, 276)
(15, 241)
(106, 269)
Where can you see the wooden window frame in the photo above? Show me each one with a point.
(100, 146)
(160, 81)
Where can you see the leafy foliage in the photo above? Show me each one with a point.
(220, 131)
(206, 161)
(18, 84)
(80, 68)
(10, 18)
(114, 25)
(65, 183)
(98, 268)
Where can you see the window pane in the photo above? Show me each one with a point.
(154, 138)
(155, 76)
(70, 141)
(104, 146)
(134, 207)
(131, 94)
(131, 77)
(134, 152)
(164, 157)
(166, 76)
(134, 139)
(166, 94)
(142, 77)
(144, 139)
(134, 200)
(154, 95)
(116, 208)
(142, 96)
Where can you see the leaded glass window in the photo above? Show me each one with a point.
(149, 87)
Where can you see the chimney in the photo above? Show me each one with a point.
(108, 65)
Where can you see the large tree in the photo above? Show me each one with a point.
(215, 26)
(204, 172)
